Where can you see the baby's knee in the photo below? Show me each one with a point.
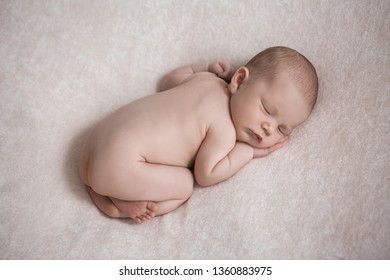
(188, 190)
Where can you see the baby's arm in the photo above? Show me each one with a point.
(218, 159)
(222, 69)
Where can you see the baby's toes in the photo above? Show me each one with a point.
(148, 216)
(149, 213)
(138, 218)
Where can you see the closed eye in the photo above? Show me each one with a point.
(265, 109)
(283, 130)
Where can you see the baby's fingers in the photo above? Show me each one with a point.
(226, 69)
(222, 69)
(284, 139)
(257, 152)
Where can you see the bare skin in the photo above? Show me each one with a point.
(142, 160)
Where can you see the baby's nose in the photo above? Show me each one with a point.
(268, 128)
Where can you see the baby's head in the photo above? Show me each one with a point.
(274, 93)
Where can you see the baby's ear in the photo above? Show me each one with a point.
(239, 77)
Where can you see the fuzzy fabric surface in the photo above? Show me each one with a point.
(64, 65)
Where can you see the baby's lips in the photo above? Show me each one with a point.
(259, 137)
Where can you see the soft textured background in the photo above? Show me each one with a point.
(66, 64)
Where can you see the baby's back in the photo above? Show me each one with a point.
(165, 128)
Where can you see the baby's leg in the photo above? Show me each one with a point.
(139, 211)
(105, 204)
(143, 181)
(145, 191)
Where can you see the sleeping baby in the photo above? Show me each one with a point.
(204, 125)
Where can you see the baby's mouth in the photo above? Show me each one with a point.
(257, 136)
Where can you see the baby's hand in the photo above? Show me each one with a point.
(222, 69)
(262, 152)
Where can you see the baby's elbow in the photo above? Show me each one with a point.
(203, 179)
(204, 183)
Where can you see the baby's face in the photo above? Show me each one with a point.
(265, 112)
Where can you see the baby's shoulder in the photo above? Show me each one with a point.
(205, 79)
(222, 123)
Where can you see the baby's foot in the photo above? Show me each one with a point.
(139, 211)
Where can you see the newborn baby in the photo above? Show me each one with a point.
(204, 125)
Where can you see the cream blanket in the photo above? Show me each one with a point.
(64, 65)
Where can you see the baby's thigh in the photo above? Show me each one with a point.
(164, 182)
(133, 179)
